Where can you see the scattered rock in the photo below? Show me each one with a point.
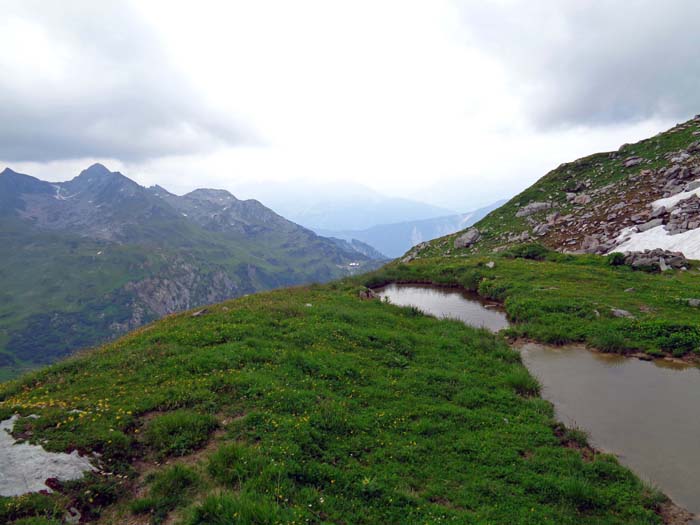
(490, 264)
(629, 290)
(73, 516)
(201, 312)
(368, 294)
(541, 229)
(692, 185)
(695, 303)
(582, 199)
(533, 207)
(619, 312)
(590, 244)
(468, 238)
(649, 225)
(632, 161)
(656, 260)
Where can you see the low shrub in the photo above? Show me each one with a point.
(533, 251)
(227, 509)
(616, 259)
(169, 489)
(232, 464)
(522, 382)
(609, 340)
(34, 505)
(180, 432)
(37, 521)
(576, 436)
(581, 494)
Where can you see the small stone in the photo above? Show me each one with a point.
(649, 225)
(692, 185)
(201, 312)
(619, 312)
(490, 264)
(695, 303)
(532, 208)
(582, 199)
(366, 295)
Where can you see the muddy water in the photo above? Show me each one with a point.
(447, 302)
(646, 413)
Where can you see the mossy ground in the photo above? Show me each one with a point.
(330, 410)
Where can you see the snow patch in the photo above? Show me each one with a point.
(687, 243)
(670, 202)
(25, 468)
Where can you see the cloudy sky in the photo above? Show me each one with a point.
(453, 103)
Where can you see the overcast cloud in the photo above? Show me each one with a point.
(453, 102)
(594, 62)
(89, 79)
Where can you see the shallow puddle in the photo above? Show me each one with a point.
(447, 303)
(646, 413)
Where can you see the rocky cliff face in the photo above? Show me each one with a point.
(643, 196)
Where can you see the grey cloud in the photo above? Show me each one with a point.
(595, 62)
(114, 95)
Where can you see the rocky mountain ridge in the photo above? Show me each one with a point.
(96, 256)
(643, 196)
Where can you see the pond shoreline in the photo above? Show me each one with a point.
(688, 359)
(671, 512)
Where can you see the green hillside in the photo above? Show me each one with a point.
(311, 405)
(584, 204)
(90, 259)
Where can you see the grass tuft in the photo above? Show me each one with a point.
(180, 432)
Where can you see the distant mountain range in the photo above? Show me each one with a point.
(87, 259)
(396, 239)
(339, 206)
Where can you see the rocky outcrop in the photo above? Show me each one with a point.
(414, 252)
(661, 260)
(532, 208)
(468, 238)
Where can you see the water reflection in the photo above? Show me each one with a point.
(447, 302)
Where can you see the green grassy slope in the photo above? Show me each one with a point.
(556, 298)
(329, 409)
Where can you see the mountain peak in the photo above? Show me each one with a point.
(8, 171)
(211, 194)
(96, 169)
